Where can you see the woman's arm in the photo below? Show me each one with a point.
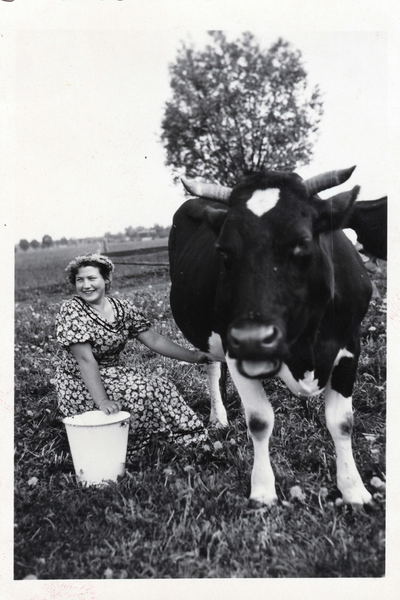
(166, 347)
(91, 377)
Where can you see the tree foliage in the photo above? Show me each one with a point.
(47, 241)
(236, 108)
(24, 244)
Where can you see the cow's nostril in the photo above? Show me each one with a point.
(270, 336)
(235, 341)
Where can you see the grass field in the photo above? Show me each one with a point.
(183, 513)
(42, 270)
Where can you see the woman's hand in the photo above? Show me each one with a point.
(109, 407)
(166, 347)
(201, 357)
(91, 376)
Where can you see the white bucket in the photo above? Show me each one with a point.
(98, 444)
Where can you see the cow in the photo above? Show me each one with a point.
(264, 279)
(369, 221)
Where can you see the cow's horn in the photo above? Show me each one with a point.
(327, 180)
(207, 190)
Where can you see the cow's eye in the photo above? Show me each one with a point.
(302, 249)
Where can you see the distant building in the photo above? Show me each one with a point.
(147, 234)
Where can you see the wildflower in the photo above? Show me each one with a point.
(297, 492)
(33, 481)
(323, 492)
(218, 445)
(378, 483)
(108, 573)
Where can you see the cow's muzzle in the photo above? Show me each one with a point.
(258, 348)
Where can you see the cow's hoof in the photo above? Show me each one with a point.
(358, 509)
(259, 504)
(368, 507)
(371, 507)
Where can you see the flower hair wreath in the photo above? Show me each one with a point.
(75, 264)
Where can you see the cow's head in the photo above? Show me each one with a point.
(276, 269)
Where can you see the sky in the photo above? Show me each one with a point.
(89, 106)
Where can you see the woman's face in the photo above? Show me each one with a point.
(90, 285)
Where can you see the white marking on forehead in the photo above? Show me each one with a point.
(263, 200)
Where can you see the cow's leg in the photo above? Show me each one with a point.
(339, 420)
(218, 416)
(260, 422)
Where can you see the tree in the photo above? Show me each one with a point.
(35, 244)
(237, 108)
(47, 241)
(24, 244)
(130, 232)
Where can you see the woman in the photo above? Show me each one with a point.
(92, 329)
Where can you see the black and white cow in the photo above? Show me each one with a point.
(269, 283)
(368, 220)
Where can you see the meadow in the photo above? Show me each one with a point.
(183, 513)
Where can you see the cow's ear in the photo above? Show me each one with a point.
(215, 217)
(334, 212)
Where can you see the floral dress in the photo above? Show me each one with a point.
(155, 405)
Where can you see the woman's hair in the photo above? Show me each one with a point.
(103, 263)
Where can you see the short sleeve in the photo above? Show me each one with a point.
(138, 322)
(72, 327)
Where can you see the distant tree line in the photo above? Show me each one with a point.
(130, 234)
(47, 242)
